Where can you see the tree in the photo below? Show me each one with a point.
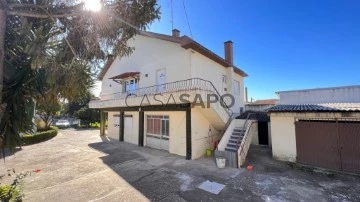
(49, 37)
(47, 107)
(88, 115)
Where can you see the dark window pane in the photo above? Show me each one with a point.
(163, 127)
(157, 126)
(167, 129)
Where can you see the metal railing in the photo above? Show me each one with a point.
(227, 124)
(177, 86)
(246, 128)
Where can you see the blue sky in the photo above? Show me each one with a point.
(281, 44)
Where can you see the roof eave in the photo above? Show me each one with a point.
(105, 68)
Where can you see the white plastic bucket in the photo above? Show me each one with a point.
(220, 162)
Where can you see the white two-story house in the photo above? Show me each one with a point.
(171, 94)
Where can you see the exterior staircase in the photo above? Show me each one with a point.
(235, 139)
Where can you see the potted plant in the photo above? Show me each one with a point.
(209, 152)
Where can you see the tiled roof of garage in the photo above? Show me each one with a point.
(323, 107)
(259, 116)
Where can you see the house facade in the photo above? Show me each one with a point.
(260, 105)
(171, 94)
(318, 127)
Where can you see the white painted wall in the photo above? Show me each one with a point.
(349, 94)
(202, 67)
(269, 131)
(150, 55)
(255, 139)
(257, 108)
(203, 134)
(243, 150)
(283, 138)
(240, 99)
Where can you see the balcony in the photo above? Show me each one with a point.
(199, 92)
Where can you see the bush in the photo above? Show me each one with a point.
(8, 193)
(40, 137)
(54, 128)
(90, 125)
(95, 125)
(50, 128)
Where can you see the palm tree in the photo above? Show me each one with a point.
(47, 45)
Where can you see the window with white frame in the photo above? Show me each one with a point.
(130, 85)
(157, 125)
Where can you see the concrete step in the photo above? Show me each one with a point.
(238, 133)
(231, 149)
(235, 137)
(239, 130)
(232, 145)
(234, 140)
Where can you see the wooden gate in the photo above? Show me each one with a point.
(329, 144)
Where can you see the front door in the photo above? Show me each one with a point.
(157, 132)
(161, 80)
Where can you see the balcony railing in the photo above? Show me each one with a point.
(172, 87)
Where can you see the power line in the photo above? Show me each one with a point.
(187, 18)
(172, 15)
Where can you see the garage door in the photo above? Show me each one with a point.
(157, 132)
(333, 145)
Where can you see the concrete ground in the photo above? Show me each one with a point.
(81, 166)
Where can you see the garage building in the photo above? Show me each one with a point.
(325, 135)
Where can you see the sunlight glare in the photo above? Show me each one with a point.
(92, 5)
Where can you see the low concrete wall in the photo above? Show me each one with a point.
(203, 133)
(251, 130)
(283, 138)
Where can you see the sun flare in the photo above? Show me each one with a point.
(92, 5)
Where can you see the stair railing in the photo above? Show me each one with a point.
(245, 127)
(227, 124)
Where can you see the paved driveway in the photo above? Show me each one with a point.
(81, 166)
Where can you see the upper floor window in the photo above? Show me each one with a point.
(236, 87)
(130, 85)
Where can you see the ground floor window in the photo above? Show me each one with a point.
(157, 125)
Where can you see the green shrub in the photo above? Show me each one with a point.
(40, 137)
(54, 128)
(95, 125)
(8, 193)
(50, 128)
